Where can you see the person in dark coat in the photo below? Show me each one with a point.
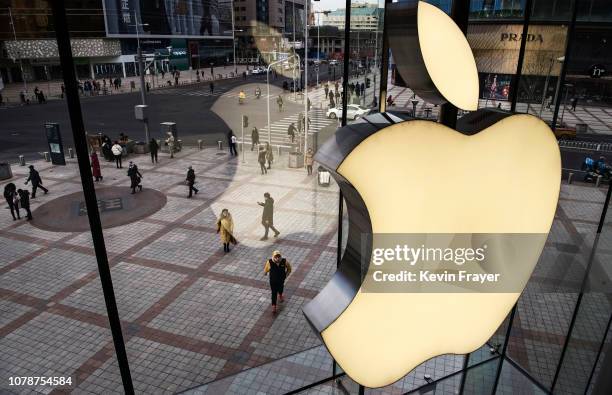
(135, 177)
(278, 268)
(291, 131)
(190, 181)
(261, 158)
(95, 166)
(36, 182)
(267, 219)
(231, 141)
(12, 198)
(254, 138)
(24, 199)
(153, 148)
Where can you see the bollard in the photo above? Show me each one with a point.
(569, 177)
(70, 153)
(598, 181)
(47, 157)
(200, 144)
(21, 160)
(220, 144)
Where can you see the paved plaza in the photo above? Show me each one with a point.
(198, 320)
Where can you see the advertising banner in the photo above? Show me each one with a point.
(168, 18)
(56, 148)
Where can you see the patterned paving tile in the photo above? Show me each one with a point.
(119, 238)
(175, 208)
(156, 369)
(248, 262)
(48, 273)
(136, 289)
(214, 311)
(28, 230)
(9, 311)
(321, 272)
(182, 247)
(49, 345)
(12, 250)
(290, 332)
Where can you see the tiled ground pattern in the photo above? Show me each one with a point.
(192, 315)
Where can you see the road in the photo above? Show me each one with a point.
(198, 114)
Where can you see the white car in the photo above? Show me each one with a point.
(258, 70)
(354, 111)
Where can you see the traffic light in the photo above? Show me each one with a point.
(245, 121)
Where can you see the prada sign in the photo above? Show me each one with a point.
(519, 37)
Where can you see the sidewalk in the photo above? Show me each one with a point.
(190, 313)
(52, 89)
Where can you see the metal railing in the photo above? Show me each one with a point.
(586, 145)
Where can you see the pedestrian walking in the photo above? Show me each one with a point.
(212, 88)
(153, 149)
(135, 177)
(332, 103)
(261, 158)
(278, 268)
(117, 151)
(231, 141)
(95, 166)
(63, 88)
(36, 182)
(190, 179)
(279, 101)
(309, 160)
(267, 217)
(254, 138)
(12, 199)
(326, 88)
(574, 103)
(338, 96)
(170, 142)
(225, 228)
(24, 199)
(291, 131)
(269, 155)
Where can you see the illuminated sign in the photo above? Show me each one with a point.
(445, 229)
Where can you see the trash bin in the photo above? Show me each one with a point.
(296, 160)
(5, 171)
(220, 144)
(582, 128)
(141, 148)
(323, 177)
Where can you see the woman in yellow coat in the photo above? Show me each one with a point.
(225, 228)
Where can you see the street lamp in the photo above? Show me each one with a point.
(25, 84)
(552, 62)
(414, 105)
(141, 70)
(567, 86)
(268, 89)
(319, 40)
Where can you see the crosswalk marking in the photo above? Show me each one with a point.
(279, 136)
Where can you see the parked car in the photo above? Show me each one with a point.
(354, 111)
(333, 62)
(258, 70)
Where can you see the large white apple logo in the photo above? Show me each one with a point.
(420, 177)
